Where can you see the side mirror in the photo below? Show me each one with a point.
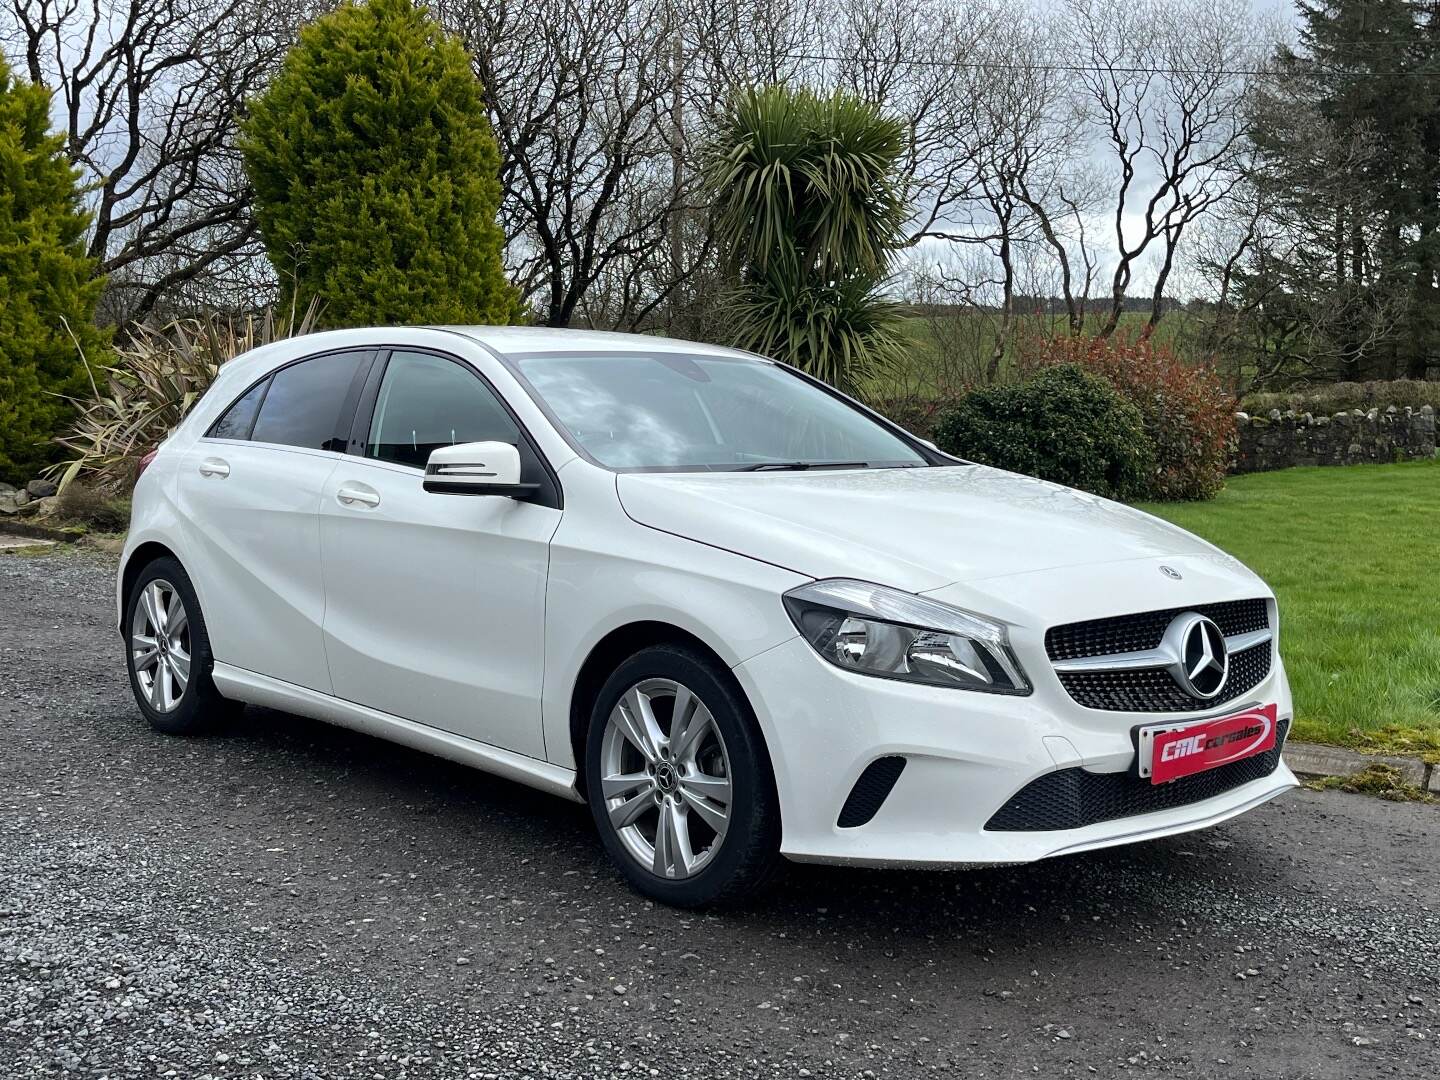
(477, 468)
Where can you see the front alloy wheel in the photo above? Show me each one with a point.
(679, 780)
(665, 776)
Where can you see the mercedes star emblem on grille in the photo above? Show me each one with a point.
(1200, 659)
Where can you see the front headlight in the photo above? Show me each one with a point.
(897, 635)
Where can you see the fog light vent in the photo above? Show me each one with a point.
(870, 791)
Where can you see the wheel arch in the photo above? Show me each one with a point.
(613, 649)
(143, 555)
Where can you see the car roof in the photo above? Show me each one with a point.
(502, 340)
(524, 339)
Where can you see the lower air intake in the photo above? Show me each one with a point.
(870, 791)
(1074, 798)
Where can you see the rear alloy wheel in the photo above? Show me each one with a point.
(160, 645)
(168, 653)
(679, 783)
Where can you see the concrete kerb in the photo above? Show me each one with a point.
(1317, 759)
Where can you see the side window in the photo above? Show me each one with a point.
(304, 403)
(240, 417)
(427, 402)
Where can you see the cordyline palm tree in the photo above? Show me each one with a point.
(808, 212)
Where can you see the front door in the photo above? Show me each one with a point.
(435, 604)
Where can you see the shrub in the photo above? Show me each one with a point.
(916, 413)
(1330, 398)
(376, 175)
(47, 291)
(1064, 424)
(81, 505)
(1188, 416)
(154, 380)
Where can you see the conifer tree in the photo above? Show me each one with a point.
(1347, 141)
(376, 174)
(47, 288)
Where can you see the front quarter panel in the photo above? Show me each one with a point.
(607, 572)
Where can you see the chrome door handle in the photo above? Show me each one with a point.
(349, 496)
(213, 466)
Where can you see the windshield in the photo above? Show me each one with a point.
(682, 411)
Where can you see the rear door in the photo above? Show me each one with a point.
(249, 493)
(434, 603)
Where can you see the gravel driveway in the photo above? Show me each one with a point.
(293, 900)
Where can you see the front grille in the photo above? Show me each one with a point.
(1155, 690)
(1074, 798)
(1134, 633)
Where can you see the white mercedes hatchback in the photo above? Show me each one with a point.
(738, 614)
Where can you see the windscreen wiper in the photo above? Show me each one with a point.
(801, 466)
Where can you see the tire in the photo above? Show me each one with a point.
(697, 861)
(178, 706)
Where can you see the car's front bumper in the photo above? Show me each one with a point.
(965, 755)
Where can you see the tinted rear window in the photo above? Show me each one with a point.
(304, 402)
(236, 422)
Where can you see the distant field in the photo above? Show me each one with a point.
(1350, 553)
(969, 337)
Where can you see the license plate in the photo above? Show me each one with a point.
(1168, 752)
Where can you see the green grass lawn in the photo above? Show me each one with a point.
(1353, 554)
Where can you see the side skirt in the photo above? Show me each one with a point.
(256, 689)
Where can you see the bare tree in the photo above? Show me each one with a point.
(1031, 139)
(1035, 186)
(956, 296)
(730, 44)
(1022, 189)
(582, 97)
(149, 93)
(914, 58)
(1165, 84)
(1278, 305)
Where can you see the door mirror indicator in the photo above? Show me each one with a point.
(477, 468)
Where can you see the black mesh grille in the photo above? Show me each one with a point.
(1155, 690)
(870, 791)
(1074, 798)
(1132, 633)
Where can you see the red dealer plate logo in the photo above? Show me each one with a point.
(1182, 751)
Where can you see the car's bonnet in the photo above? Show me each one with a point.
(914, 529)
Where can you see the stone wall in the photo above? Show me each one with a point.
(1281, 440)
